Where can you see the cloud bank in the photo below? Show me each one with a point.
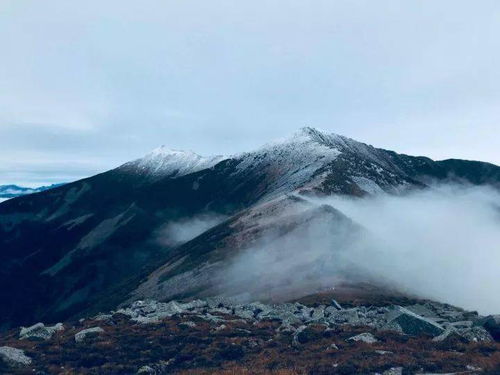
(442, 244)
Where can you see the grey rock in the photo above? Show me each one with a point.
(346, 316)
(252, 310)
(473, 334)
(196, 304)
(149, 311)
(364, 337)
(383, 352)
(393, 371)
(476, 334)
(146, 370)
(461, 324)
(449, 334)
(317, 314)
(87, 333)
(189, 324)
(336, 305)
(411, 323)
(287, 313)
(221, 327)
(159, 368)
(14, 357)
(295, 339)
(102, 317)
(492, 324)
(39, 331)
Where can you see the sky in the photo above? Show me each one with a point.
(86, 88)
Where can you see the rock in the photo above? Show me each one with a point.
(220, 328)
(196, 304)
(102, 317)
(14, 357)
(383, 352)
(333, 347)
(295, 338)
(476, 334)
(411, 323)
(149, 311)
(492, 324)
(317, 314)
(473, 334)
(336, 305)
(87, 333)
(39, 331)
(364, 337)
(146, 370)
(393, 371)
(347, 316)
(288, 313)
(462, 324)
(211, 318)
(285, 327)
(449, 335)
(159, 368)
(188, 324)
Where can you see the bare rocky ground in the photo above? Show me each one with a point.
(317, 335)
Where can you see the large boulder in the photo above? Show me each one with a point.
(408, 322)
(14, 357)
(39, 331)
(492, 324)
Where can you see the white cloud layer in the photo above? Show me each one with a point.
(441, 244)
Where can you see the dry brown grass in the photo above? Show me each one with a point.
(244, 348)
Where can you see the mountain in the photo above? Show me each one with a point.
(95, 243)
(12, 191)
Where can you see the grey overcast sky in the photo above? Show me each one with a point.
(87, 85)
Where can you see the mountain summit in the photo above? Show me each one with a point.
(93, 244)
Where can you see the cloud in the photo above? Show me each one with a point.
(179, 232)
(231, 76)
(441, 244)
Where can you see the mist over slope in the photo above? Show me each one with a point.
(441, 243)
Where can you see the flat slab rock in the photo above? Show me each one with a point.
(411, 323)
(14, 357)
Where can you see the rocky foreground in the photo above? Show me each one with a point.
(225, 337)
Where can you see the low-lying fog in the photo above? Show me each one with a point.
(442, 243)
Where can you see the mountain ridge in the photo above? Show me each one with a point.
(104, 228)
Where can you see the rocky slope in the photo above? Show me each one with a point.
(94, 243)
(223, 336)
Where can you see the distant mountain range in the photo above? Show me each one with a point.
(12, 191)
(90, 245)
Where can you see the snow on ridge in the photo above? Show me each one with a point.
(163, 161)
(290, 163)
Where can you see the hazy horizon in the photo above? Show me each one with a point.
(83, 92)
